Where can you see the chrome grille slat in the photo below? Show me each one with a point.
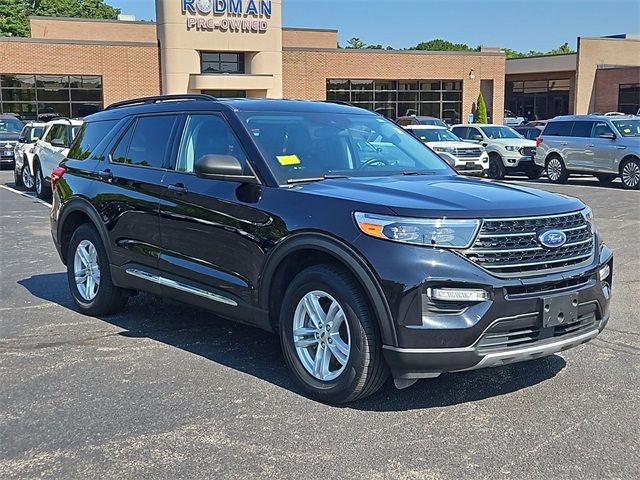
(509, 247)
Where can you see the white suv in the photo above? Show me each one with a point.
(509, 152)
(23, 169)
(50, 150)
(465, 157)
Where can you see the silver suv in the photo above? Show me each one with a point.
(604, 146)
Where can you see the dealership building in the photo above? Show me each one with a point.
(239, 48)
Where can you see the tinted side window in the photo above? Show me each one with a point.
(207, 135)
(59, 133)
(582, 129)
(149, 143)
(90, 136)
(461, 131)
(403, 122)
(473, 132)
(600, 128)
(26, 133)
(558, 129)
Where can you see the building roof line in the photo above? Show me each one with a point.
(310, 29)
(77, 42)
(392, 52)
(548, 55)
(94, 20)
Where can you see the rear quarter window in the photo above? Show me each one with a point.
(558, 129)
(90, 136)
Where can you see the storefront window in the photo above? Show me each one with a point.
(44, 97)
(222, 62)
(538, 99)
(629, 98)
(397, 98)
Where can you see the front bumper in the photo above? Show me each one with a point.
(515, 161)
(432, 338)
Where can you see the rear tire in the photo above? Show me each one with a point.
(17, 176)
(43, 192)
(496, 167)
(556, 171)
(89, 275)
(330, 313)
(606, 177)
(630, 174)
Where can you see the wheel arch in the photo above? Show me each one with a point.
(626, 158)
(551, 155)
(77, 212)
(306, 249)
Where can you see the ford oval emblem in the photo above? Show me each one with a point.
(552, 238)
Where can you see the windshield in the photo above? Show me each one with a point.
(628, 128)
(10, 125)
(435, 135)
(500, 132)
(313, 145)
(432, 121)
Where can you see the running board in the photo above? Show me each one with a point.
(180, 286)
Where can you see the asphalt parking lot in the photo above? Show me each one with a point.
(167, 391)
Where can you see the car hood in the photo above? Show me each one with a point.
(453, 145)
(518, 142)
(443, 196)
(8, 137)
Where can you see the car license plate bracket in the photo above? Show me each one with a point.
(471, 165)
(559, 310)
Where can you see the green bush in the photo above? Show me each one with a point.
(481, 110)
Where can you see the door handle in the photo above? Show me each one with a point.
(105, 174)
(590, 146)
(564, 144)
(178, 188)
(620, 147)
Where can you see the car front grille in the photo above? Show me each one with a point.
(468, 152)
(510, 334)
(509, 247)
(528, 151)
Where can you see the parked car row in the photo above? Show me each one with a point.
(39, 149)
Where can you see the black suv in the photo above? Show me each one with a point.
(332, 226)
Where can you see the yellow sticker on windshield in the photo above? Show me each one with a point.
(627, 131)
(286, 160)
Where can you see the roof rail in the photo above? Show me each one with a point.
(161, 98)
(338, 102)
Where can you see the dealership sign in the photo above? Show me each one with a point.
(243, 16)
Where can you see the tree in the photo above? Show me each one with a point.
(443, 45)
(356, 43)
(563, 49)
(481, 110)
(14, 14)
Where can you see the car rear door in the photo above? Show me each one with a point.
(579, 149)
(557, 137)
(210, 228)
(127, 193)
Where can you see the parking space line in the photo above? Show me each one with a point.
(26, 195)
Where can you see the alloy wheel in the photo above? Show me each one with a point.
(631, 174)
(86, 270)
(27, 179)
(554, 169)
(321, 335)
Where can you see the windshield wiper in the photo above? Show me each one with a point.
(415, 174)
(293, 181)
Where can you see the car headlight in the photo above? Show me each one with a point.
(419, 231)
(512, 148)
(587, 213)
(444, 149)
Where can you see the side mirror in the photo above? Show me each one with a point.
(222, 167)
(476, 138)
(608, 135)
(58, 143)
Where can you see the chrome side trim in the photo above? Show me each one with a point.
(180, 286)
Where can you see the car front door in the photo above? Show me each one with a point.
(211, 240)
(605, 150)
(129, 186)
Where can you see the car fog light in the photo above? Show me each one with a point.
(604, 272)
(458, 294)
(606, 290)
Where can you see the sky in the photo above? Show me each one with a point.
(521, 25)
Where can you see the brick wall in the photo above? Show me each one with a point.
(307, 38)
(85, 29)
(306, 71)
(607, 86)
(127, 71)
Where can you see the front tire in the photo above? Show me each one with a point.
(43, 191)
(17, 176)
(89, 276)
(329, 336)
(496, 167)
(630, 174)
(556, 171)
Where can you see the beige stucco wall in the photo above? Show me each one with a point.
(180, 53)
(600, 51)
(85, 29)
